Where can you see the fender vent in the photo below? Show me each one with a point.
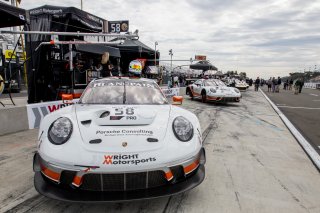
(95, 141)
(86, 122)
(152, 140)
(105, 114)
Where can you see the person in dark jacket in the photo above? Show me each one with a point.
(278, 84)
(297, 85)
(256, 84)
(301, 85)
(250, 82)
(290, 84)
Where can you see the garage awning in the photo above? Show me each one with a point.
(98, 49)
(12, 16)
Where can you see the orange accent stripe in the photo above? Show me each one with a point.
(77, 181)
(169, 175)
(214, 98)
(50, 174)
(77, 95)
(211, 98)
(191, 167)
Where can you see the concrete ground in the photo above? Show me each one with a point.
(253, 165)
(302, 110)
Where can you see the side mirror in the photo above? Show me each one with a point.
(177, 100)
(67, 98)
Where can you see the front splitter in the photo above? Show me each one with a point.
(53, 191)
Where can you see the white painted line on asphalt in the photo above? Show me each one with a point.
(313, 94)
(315, 157)
(281, 104)
(292, 107)
(315, 100)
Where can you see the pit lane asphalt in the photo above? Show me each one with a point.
(303, 110)
(253, 165)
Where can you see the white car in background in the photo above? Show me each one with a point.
(213, 90)
(241, 85)
(121, 141)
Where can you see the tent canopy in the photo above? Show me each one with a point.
(203, 65)
(11, 16)
(135, 46)
(98, 49)
(66, 17)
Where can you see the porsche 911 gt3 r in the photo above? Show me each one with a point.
(213, 90)
(241, 85)
(121, 141)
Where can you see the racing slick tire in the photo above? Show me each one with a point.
(190, 94)
(203, 96)
(188, 91)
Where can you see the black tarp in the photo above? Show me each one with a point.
(98, 49)
(41, 67)
(133, 49)
(12, 16)
(203, 65)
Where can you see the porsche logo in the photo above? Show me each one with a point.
(124, 144)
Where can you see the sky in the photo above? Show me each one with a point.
(262, 38)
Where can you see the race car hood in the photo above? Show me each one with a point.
(222, 89)
(110, 128)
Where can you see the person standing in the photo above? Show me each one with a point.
(250, 82)
(290, 84)
(278, 84)
(269, 83)
(274, 84)
(256, 84)
(301, 85)
(286, 84)
(297, 85)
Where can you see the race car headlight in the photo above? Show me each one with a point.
(236, 90)
(182, 129)
(60, 131)
(212, 90)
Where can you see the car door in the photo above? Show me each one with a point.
(197, 86)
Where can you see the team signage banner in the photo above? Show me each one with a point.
(36, 112)
(171, 92)
(200, 57)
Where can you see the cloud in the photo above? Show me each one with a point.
(258, 37)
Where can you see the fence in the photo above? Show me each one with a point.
(310, 85)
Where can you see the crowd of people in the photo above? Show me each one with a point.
(274, 84)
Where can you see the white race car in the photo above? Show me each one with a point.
(241, 85)
(213, 90)
(121, 141)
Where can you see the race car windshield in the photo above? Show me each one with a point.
(210, 83)
(220, 83)
(123, 92)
